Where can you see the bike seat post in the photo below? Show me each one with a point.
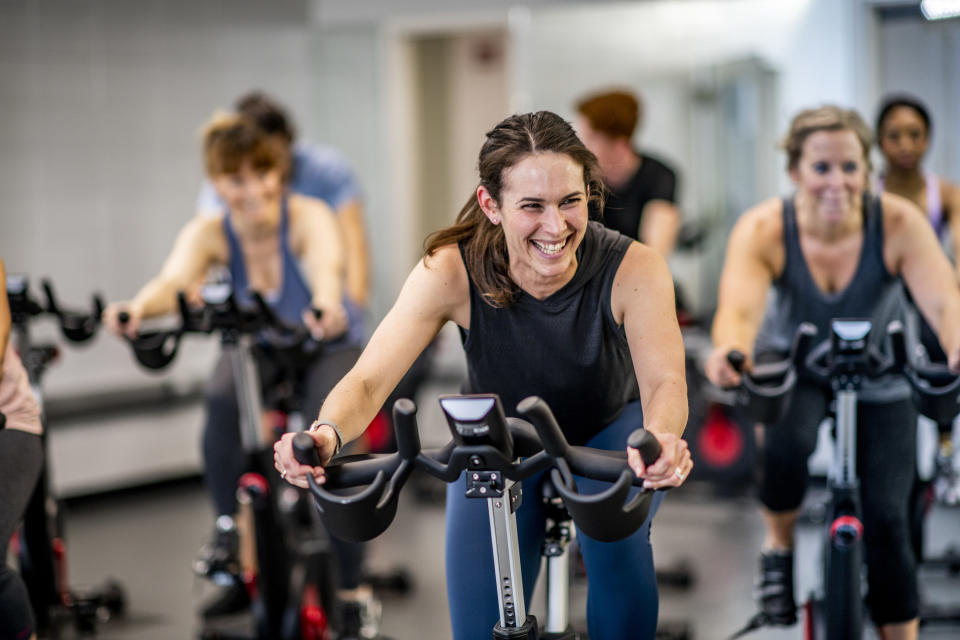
(849, 352)
(478, 420)
(504, 500)
(556, 550)
(246, 382)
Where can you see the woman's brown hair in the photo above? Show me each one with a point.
(825, 118)
(230, 139)
(484, 245)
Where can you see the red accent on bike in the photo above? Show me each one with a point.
(254, 481)
(846, 521)
(313, 618)
(808, 621)
(378, 432)
(249, 579)
(60, 558)
(720, 442)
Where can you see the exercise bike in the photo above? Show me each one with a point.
(359, 499)
(41, 547)
(292, 584)
(841, 363)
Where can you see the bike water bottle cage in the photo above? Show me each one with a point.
(479, 429)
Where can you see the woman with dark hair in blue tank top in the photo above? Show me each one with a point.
(834, 250)
(286, 247)
(548, 304)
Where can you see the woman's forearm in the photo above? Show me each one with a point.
(352, 405)
(666, 411)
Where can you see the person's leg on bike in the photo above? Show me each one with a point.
(471, 576)
(886, 451)
(224, 461)
(21, 457)
(785, 447)
(622, 597)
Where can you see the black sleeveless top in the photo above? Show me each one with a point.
(873, 293)
(566, 348)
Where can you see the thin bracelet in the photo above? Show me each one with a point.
(336, 430)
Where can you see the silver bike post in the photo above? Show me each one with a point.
(506, 554)
(245, 381)
(558, 588)
(845, 456)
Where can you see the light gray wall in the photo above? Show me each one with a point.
(923, 58)
(101, 105)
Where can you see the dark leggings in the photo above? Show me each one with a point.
(21, 456)
(622, 600)
(223, 456)
(886, 451)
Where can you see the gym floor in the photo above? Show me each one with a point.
(147, 538)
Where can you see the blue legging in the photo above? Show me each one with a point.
(622, 601)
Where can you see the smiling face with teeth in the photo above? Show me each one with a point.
(543, 214)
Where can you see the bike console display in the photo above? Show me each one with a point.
(477, 420)
(849, 336)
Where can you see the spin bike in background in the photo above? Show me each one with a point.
(42, 551)
(841, 363)
(292, 586)
(359, 499)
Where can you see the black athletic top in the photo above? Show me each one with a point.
(566, 348)
(872, 293)
(623, 208)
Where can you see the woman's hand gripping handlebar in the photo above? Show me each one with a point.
(357, 495)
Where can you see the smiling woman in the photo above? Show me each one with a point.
(833, 250)
(547, 304)
(286, 247)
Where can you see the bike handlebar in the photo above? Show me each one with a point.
(76, 326)
(219, 313)
(766, 390)
(537, 445)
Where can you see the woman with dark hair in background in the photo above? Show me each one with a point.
(21, 458)
(547, 303)
(904, 131)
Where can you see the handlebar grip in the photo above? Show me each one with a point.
(737, 359)
(898, 344)
(123, 317)
(183, 308)
(52, 305)
(405, 427)
(317, 313)
(538, 412)
(98, 307)
(305, 450)
(647, 444)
